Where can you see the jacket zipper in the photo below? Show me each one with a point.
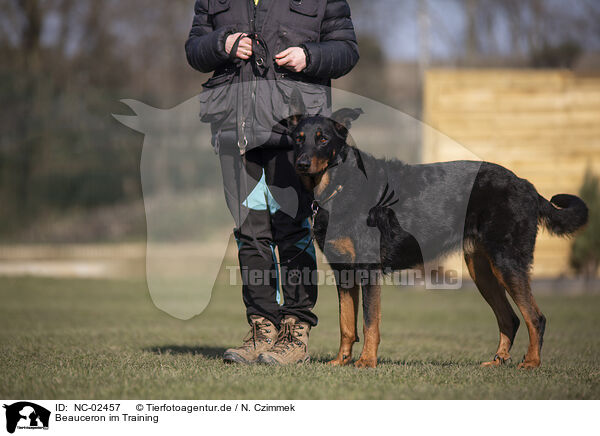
(252, 23)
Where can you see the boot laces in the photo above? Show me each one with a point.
(258, 333)
(288, 336)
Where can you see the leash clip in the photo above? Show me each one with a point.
(315, 208)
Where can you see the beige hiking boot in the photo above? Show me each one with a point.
(291, 345)
(261, 337)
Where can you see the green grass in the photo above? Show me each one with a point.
(89, 339)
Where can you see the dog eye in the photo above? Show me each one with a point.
(322, 140)
(299, 139)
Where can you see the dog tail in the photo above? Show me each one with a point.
(563, 214)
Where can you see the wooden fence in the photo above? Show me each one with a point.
(542, 124)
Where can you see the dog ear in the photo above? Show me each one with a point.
(343, 119)
(297, 109)
(297, 103)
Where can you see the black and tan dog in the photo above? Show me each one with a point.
(422, 212)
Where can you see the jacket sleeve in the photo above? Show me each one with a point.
(205, 47)
(337, 52)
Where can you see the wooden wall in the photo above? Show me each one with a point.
(542, 124)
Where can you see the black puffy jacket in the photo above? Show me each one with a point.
(244, 100)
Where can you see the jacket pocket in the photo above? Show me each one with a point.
(217, 98)
(218, 80)
(217, 6)
(315, 98)
(305, 7)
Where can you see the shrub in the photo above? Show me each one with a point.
(585, 250)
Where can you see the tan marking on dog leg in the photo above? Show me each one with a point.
(520, 291)
(495, 295)
(348, 307)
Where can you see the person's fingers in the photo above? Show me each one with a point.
(245, 48)
(239, 35)
(284, 53)
(231, 39)
(284, 60)
(245, 42)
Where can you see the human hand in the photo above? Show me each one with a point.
(292, 58)
(244, 50)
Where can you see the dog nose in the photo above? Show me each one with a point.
(302, 166)
(303, 163)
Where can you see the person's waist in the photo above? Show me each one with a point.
(273, 139)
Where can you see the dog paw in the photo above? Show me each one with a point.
(491, 363)
(365, 363)
(498, 361)
(340, 361)
(529, 364)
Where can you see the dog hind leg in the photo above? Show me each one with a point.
(495, 295)
(516, 281)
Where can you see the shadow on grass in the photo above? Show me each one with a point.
(404, 362)
(208, 352)
(217, 353)
(426, 362)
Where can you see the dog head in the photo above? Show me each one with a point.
(317, 140)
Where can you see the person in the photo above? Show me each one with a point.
(261, 51)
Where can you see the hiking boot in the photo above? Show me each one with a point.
(291, 345)
(261, 337)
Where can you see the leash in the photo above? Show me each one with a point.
(260, 67)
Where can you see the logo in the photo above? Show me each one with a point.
(25, 415)
(187, 215)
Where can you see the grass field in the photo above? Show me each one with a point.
(101, 339)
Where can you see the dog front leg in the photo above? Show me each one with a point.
(372, 318)
(348, 307)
